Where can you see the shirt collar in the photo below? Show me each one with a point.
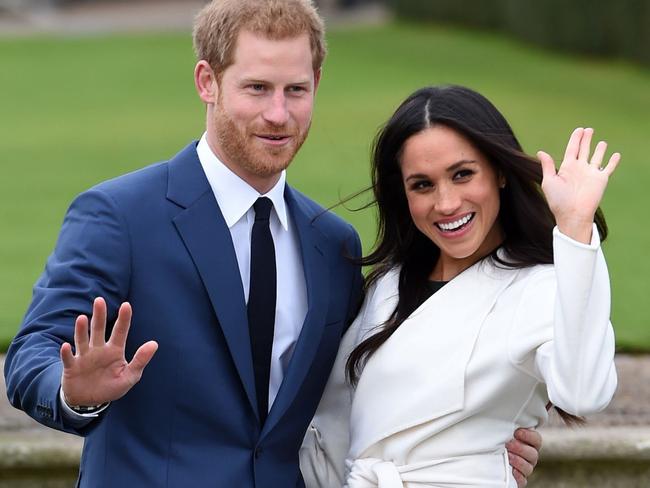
(234, 196)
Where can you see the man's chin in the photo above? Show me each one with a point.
(266, 167)
(275, 161)
(270, 168)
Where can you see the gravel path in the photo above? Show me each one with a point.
(78, 19)
(97, 17)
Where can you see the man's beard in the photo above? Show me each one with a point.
(240, 147)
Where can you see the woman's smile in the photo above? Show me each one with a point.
(455, 227)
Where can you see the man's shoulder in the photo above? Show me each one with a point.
(327, 221)
(149, 176)
(151, 180)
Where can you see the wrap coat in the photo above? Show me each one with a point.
(436, 403)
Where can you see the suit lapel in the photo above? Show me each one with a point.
(207, 238)
(314, 260)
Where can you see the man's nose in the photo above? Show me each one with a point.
(276, 112)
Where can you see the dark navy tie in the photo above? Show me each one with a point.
(261, 302)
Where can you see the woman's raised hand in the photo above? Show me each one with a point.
(575, 190)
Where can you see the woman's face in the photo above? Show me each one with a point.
(453, 196)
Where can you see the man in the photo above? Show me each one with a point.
(233, 289)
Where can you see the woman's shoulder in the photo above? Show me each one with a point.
(522, 275)
(380, 301)
(524, 285)
(536, 272)
(385, 285)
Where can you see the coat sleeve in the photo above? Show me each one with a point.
(327, 441)
(561, 332)
(91, 259)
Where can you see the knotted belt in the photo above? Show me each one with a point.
(478, 471)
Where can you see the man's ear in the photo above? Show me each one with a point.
(317, 76)
(205, 81)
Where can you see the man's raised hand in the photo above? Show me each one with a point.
(98, 371)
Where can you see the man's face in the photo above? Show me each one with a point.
(264, 105)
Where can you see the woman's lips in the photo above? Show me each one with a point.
(456, 227)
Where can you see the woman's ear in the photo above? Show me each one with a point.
(502, 181)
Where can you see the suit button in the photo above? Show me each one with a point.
(258, 452)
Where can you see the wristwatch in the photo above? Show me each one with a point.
(82, 409)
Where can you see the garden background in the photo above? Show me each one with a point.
(75, 110)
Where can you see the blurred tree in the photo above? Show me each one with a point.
(599, 27)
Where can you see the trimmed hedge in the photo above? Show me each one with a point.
(619, 28)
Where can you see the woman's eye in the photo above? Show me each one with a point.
(463, 173)
(420, 185)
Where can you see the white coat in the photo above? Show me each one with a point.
(436, 403)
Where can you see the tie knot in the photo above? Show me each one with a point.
(262, 208)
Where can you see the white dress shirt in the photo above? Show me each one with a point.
(236, 198)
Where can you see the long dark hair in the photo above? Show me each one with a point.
(524, 215)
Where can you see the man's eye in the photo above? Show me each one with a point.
(256, 87)
(297, 89)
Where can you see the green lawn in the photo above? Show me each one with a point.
(77, 111)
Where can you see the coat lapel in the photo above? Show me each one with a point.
(314, 260)
(207, 238)
(419, 373)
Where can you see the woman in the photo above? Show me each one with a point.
(478, 311)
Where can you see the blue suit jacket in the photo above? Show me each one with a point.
(157, 239)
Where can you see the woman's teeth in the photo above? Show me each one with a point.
(452, 226)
